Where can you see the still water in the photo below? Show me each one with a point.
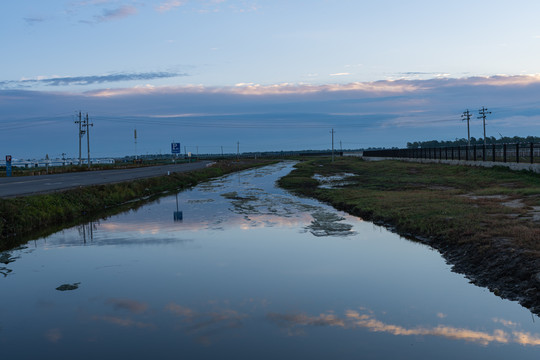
(250, 272)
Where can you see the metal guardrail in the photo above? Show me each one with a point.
(517, 153)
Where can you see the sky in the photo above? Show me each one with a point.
(269, 75)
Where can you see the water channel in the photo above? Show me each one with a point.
(249, 272)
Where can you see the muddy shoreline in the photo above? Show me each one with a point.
(504, 270)
(476, 232)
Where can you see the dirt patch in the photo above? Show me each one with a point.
(514, 204)
(334, 181)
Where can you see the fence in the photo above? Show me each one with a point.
(517, 153)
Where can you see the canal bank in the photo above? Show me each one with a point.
(485, 222)
(20, 217)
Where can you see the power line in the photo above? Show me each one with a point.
(81, 134)
(87, 126)
(483, 112)
(467, 116)
(333, 132)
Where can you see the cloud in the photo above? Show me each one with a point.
(208, 6)
(170, 5)
(124, 322)
(129, 305)
(116, 14)
(205, 325)
(90, 2)
(73, 7)
(34, 20)
(285, 320)
(87, 80)
(341, 74)
(53, 335)
(180, 310)
(365, 114)
(250, 89)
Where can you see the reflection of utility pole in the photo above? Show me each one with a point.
(467, 116)
(84, 232)
(87, 125)
(332, 144)
(483, 112)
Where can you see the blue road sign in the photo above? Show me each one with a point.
(175, 148)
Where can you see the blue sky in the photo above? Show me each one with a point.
(274, 75)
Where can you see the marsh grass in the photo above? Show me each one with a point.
(442, 202)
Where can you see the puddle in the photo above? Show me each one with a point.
(335, 181)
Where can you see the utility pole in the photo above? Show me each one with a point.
(238, 151)
(81, 134)
(87, 126)
(332, 144)
(467, 116)
(483, 112)
(221, 150)
(135, 137)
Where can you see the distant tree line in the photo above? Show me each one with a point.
(474, 141)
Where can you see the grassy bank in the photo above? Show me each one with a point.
(37, 214)
(485, 221)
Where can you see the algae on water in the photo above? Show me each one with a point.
(327, 223)
(68, 287)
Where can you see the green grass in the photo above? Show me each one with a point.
(454, 204)
(22, 217)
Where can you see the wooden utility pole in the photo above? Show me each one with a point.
(81, 134)
(467, 116)
(135, 138)
(483, 112)
(87, 126)
(332, 144)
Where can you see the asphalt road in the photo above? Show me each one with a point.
(28, 185)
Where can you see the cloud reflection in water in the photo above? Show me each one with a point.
(296, 323)
(206, 324)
